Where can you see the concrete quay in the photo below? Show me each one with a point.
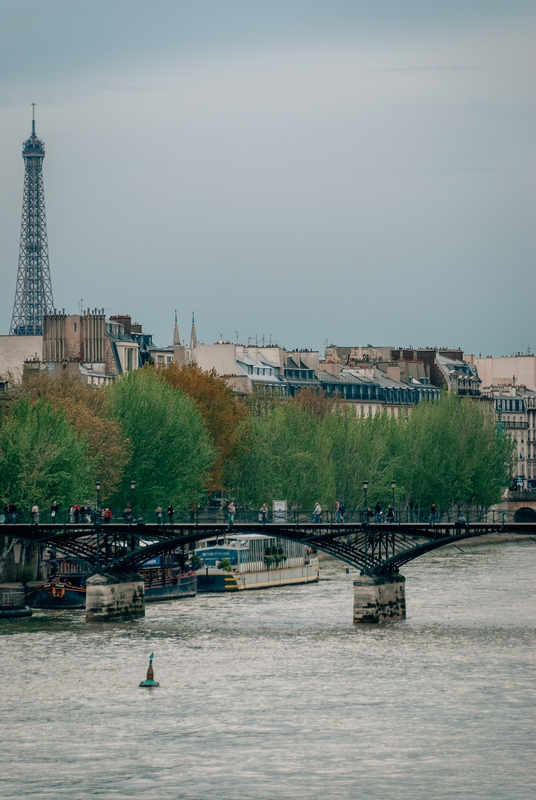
(13, 601)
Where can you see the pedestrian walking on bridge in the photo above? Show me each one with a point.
(340, 508)
(338, 517)
(317, 514)
(378, 512)
(231, 511)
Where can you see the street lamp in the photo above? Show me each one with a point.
(365, 489)
(393, 487)
(132, 487)
(97, 524)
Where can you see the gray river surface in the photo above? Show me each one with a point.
(276, 694)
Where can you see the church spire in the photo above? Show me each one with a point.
(193, 335)
(176, 337)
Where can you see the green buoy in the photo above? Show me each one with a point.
(150, 681)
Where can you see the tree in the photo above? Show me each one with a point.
(171, 450)
(87, 410)
(452, 453)
(222, 413)
(42, 458)
(363, 449)
(311, 448)
(289, 459)
(316, 402)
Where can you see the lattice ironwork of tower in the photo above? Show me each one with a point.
(33, 295)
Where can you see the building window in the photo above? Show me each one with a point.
(160, 359)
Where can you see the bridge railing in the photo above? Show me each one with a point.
(220, 516)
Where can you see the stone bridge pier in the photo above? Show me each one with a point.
(112, 597)
(380, 598)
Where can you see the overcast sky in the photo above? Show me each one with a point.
(360, 171)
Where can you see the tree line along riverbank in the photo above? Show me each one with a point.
(181, 434)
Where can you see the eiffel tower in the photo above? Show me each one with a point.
(33, 295)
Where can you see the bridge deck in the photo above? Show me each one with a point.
(373, 549)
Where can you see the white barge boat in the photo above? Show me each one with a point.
(253, 561)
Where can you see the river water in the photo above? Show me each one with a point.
(276, 694)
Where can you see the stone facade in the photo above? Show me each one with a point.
(88, 345)
(15, 351)
(442, 368)
(515, 410)
(286, 372)
(507, 371)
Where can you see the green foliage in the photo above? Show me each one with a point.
(222, 413)
(171, 450)
(25, 573)
(58, 436)
(289, 458)
(274, 555)
(196, 562)
(86, 410)
(225, 565)
(362, 449)
(452, 453)
(448, 452)
(41, 457)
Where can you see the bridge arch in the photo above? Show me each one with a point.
(373, 549)
(525, 514)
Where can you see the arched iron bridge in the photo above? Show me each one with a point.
(374, 549)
